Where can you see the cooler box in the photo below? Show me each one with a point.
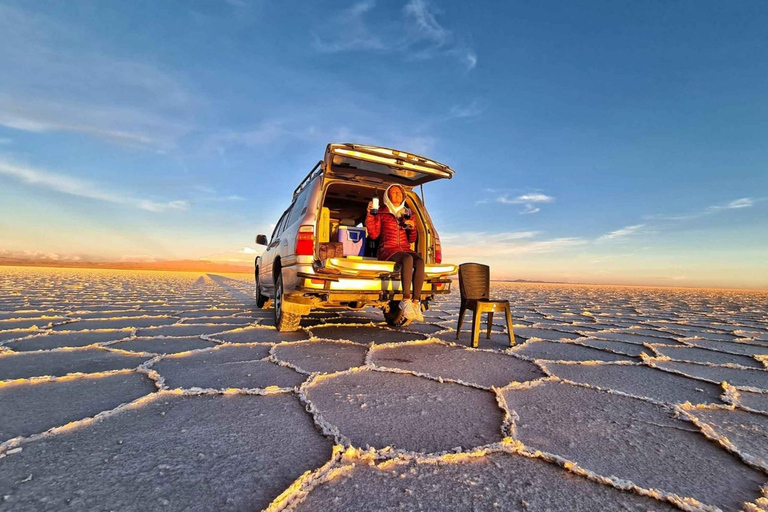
(353, 240)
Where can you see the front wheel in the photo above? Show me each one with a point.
(261, 299)
(284, 321)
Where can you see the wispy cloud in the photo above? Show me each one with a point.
(467, 110)
(736, 204)
(744, 202)
(76, 187)
(622, 233)
(529, 200)
(54, 89)
(464, 246)
(417, 34)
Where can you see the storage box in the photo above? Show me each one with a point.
(353, 240)
(331, 250)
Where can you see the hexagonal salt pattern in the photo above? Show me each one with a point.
(380, 409)
(174, 391)
(631, 440)
(497, 481)
(226, 367)
(220, 452)
(322, 356)
(440, 361)
(33, 407)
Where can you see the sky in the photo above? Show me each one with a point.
(593, 142)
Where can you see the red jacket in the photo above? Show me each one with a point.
(393, 237)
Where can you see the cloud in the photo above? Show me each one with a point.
(355, 35)
(526, 199)
(76, 187)
(736, 204)
(463, 111)
(417, 34)
(622, 233)
(471, 245)
(744, 202)
(65, 82)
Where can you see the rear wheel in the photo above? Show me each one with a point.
(394, 316)
(284, 321)
(261, 300)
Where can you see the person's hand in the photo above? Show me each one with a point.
(409, 224)
(370, 205)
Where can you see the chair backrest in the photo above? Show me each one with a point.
(474, 281)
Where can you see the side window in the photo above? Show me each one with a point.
(299, 207)
(279, 227)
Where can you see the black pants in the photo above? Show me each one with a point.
(411, 267)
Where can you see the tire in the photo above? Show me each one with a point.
(261, 300)
(394, 317)
(284, 322)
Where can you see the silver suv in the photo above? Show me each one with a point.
(319, 256)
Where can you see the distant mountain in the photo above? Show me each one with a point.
(167, 265)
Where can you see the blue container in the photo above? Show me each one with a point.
(353, 240)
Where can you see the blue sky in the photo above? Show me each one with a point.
(606, 142)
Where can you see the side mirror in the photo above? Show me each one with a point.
(261, 240)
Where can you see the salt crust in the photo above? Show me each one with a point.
(344, 455)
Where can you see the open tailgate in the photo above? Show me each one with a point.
(389, 165)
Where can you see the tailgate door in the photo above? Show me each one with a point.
(386, 164)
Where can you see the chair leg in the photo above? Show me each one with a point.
(461, 320)
(490, 324)
(476, 326)
(510, 329)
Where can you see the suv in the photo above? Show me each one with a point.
(318, 258)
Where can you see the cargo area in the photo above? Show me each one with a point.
(341, 229)
(343, 245)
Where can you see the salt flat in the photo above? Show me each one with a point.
(124, 390)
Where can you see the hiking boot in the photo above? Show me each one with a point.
(409, 312)
(418, 316)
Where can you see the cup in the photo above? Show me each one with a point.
(375, 206)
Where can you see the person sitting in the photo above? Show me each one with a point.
(397, 231)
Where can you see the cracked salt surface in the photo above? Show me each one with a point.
(380, 409)
(226, 367)
(631, 440)
(51, 340)
(700, 355)
(640, 381)
(475, 367)
(321, 355)
(746, 432)
(34, 407)
(59, 363)
(364, 334)
(559, 351)
(220, 452)
(257, 334)
(498, 481)
(756, 379)
(163, 345)
(240, 435)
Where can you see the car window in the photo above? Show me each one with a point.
(279, 227)
(299, 207)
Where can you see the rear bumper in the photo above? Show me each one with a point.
(346, 280)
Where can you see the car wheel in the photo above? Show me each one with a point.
(394, 316)
(261, 300)
(284, 321)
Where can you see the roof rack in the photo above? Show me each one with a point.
(307, 179)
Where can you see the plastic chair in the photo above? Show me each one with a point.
(475, 287)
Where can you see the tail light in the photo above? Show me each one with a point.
(438, 252)
(305, 241)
